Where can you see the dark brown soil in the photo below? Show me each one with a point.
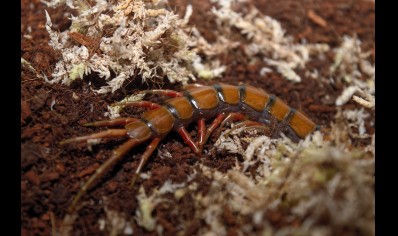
(51, 174)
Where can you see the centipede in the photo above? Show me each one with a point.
(252, 107)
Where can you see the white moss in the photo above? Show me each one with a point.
(169, 187)
(346, 95)
(267, 39)
(356, 118)
(115, 221)
(208, 71)
(141, 39)
(352, 66)
(143, 215)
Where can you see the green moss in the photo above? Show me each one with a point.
(77, 71)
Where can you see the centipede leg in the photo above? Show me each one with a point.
(201, 133)
(285, 129)
(100, 171)
(113, 122)
(219, 121)
(165, 92)
(204, 135)
(234, 116)
(188, 140)
(249, 123)
(144, 158)
(145, 104)
(104, 134)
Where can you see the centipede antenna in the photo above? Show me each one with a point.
(110, 133)
(114, 122)
(144, 158)
(100, 171)
(165, 92)
(145, 104)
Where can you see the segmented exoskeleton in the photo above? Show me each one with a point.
(197, 103)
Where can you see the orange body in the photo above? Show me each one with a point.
(196, 104)
(208, 101)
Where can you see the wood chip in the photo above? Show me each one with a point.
(317, 19)
(88, 170)
(321, 108)
(49, 176)
(32, 177)
(25, 111)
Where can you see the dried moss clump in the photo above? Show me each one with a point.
(122, 40)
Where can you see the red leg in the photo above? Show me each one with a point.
(213, 126)
(188, 140)
(201, 132)
(233, 117)
(220, 121)
(116, 156)
(145, 104)
(249, 123)
(165, 92)
(113, 122)
(144, 158)
(104, 134)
